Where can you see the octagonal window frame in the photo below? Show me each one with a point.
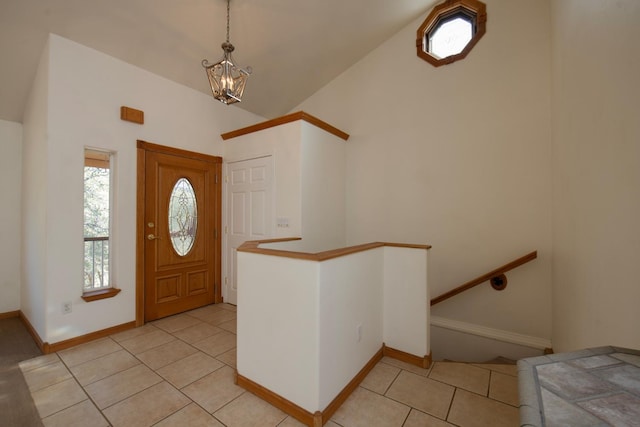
(473, 11)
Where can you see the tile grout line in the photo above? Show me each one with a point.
(92, 342)
(455, 391)
(407, 417)
(403, 403)
(88, 396)
(140, 362)
(224, 364)
(215, 370)
(393, 381)
(179, 390)
(192, 382)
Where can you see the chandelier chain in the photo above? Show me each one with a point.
(228, 1)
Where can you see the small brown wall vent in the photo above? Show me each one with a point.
(132, 115)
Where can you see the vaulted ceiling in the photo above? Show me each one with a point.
(294, 46)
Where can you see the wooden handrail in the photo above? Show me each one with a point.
(498, 274)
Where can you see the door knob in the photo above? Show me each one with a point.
(152, 237)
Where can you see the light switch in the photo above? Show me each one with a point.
(282, 222)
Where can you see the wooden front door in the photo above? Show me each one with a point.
(181, 220)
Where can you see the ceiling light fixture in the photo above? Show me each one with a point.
(227, 80)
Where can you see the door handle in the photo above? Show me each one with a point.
(152, 237)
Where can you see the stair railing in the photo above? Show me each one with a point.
(497, 278)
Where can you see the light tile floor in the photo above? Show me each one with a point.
(179, 371)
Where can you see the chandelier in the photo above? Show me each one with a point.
(227, 80)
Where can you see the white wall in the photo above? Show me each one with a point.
(406, 309)
(10, 214)
(278, 333)
(85, 91)
(596, 152)
(351, 295)
(457, 157)
(323, 189)
(33, 289)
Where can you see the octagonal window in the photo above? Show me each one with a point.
(451, 30)
(450, 37)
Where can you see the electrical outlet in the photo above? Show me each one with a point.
(66, 307)
(359, 332)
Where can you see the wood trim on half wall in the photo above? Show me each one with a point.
(276, 400)
(422, 362)
(300, 115)
(253, 246)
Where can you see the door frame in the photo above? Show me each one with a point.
(142, 148)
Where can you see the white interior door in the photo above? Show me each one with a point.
(249, 214)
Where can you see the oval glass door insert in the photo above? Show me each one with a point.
(183, 216)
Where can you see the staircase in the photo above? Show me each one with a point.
(458, 340)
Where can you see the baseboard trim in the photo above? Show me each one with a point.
(496, 334)
(10, 314)
(32, 331)
(278, 401)
(349, 388)
(72, 342)
(47, 348)
(318, 418)
(422, 362)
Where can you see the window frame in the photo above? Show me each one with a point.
(96, 157)
(443, 12)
